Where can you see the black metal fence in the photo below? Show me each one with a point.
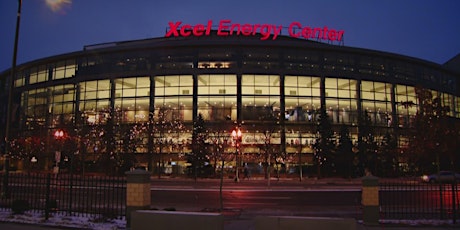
(416, 200)
(98, 196)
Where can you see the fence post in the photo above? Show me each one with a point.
(370, 200)
(454, 202)
(47, 196)
(137, 192)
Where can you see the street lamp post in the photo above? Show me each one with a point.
(59, 135)
(10, 102)
(300, 156)
(237, 137)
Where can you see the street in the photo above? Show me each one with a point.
(310, 197)
(255, 197)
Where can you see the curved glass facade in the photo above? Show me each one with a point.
(143, 97)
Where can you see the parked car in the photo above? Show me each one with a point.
(442, 177)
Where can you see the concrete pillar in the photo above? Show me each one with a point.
(137, 192)
(370, 200)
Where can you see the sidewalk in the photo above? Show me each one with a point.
(229, 225)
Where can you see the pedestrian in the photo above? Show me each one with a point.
(246, 173)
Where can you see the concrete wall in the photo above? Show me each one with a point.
(172, 220)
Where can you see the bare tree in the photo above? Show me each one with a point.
(166, 124)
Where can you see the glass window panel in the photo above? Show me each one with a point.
(90, 95)
(129, 83)
(143, 92)
(129, 92)
(247, 89)
(103, 85)
(305, 92)
(57, 108)
(217, 107)
(118, 104)
(103, 94)
(290, 81)
(171, 91)
(68, 108)
(103, 105)
(368, 105)
(367, 95)
(70, 68)
(344, 93)
(247, 80)
(367, 86)
(128, 104)
(159, 91)
(59, 73)
(382, 97)
(216, 80)
(186, 80)
(160, 82)
(143, 82)
(89, 105)
(229, 90)
(90, 86)
(331, 93)
(300, 106)
(42, 74)
(457, 107)
(330, 83)
(291, 103)
(142, 103)
(316, 92)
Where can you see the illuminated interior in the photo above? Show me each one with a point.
(146, 101)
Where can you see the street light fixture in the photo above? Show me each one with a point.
(237, 137)
(59, 135)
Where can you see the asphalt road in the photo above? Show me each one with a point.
(333, 198)
(256, 197)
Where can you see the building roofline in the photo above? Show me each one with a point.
(282, 40)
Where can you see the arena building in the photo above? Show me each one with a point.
(141, 98)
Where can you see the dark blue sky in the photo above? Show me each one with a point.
(423, 29)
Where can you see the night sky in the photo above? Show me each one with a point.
(425, 29)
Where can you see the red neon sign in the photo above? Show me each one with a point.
(266, 31)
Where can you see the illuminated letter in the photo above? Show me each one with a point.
(325, 33)
(332, 35)
(208, 28)
(265, 31)
(339, 37)
(254, 30)
(317, 35)
(246, 29)
(306, 32)
(198, 30)
(173, 29)
(183, 31)
(238, 28)
(222, 26)
(276, 31)
(292, 28)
